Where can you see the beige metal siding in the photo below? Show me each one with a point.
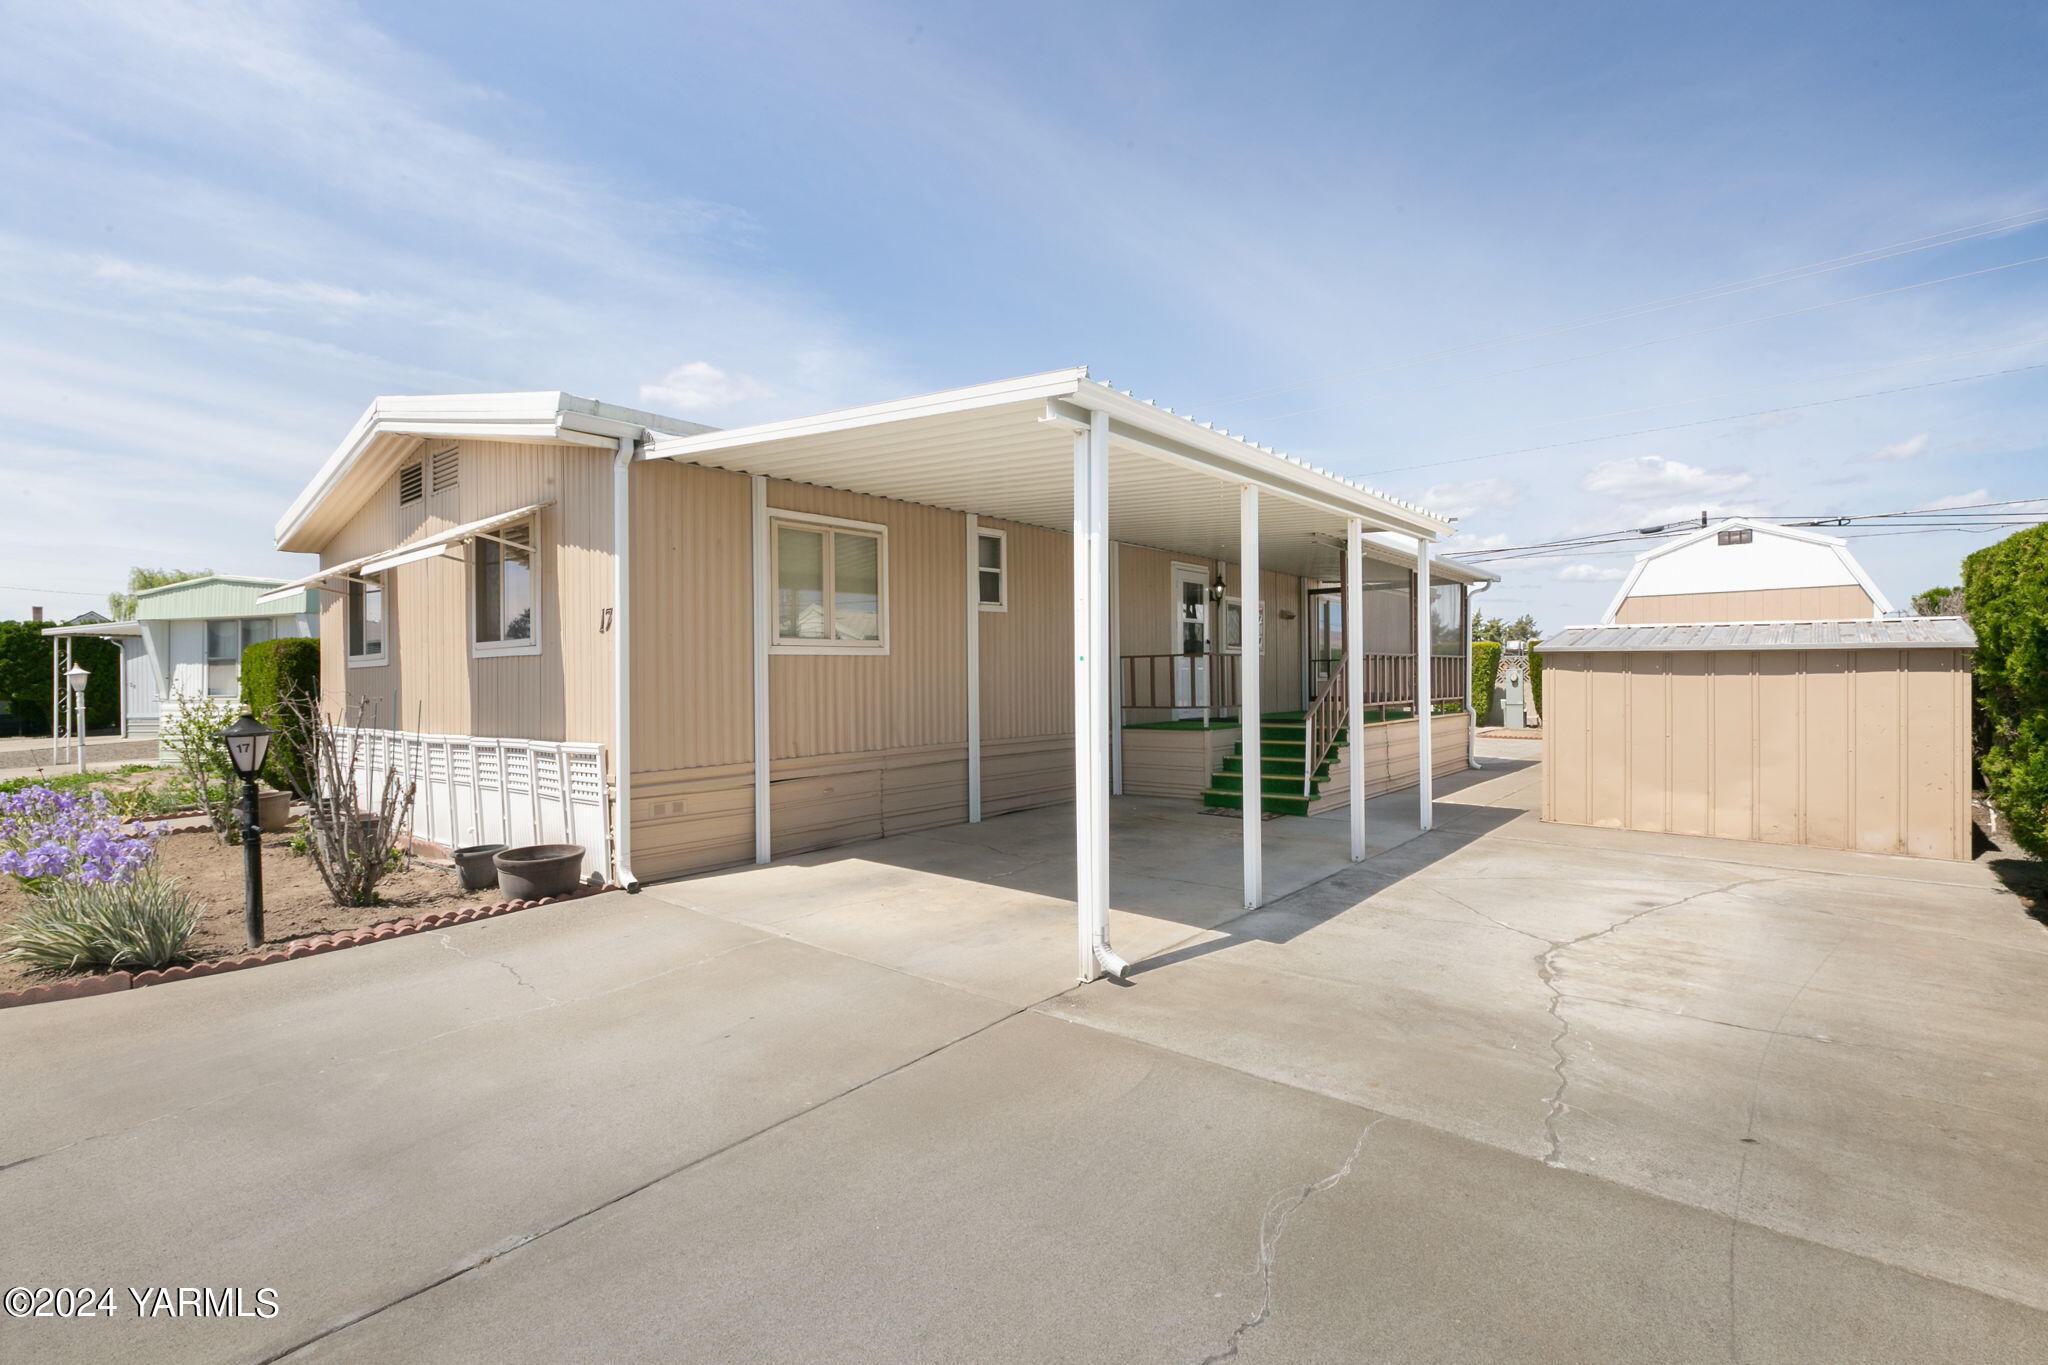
(1027, 667)
(1846, 602)
(1851, 749)
(431, 683)
(693, 640)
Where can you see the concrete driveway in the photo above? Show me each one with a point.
(1508, 1092)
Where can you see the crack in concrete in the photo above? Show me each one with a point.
(1272, 1227)
(448, 942)
(1547, 971)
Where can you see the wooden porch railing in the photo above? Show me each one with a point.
(1209, 682)
(1180, 682)
(1326, 716)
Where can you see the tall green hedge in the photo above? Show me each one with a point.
(1485, 671)
(1536, 681)
(25, 676)
(2006, 586)
(275, 672)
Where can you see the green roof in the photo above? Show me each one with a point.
(218, 596)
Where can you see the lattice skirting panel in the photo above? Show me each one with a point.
(474, 790)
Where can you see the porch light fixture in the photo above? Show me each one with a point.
(76, 677)
(1216, 588)
(248, 744)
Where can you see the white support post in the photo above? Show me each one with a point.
(764, 842)
(1098, 678)
(1116, 675)
(974, 668)
(1251, 714)
(1425, 759)
(1354, 675)
(1091, 756)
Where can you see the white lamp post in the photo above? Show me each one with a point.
(77, 677)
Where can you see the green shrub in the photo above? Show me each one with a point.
(2006, 586)
(1536, 682)
(1485, 672)
(191, 734)
(77, 927)
(274, 674)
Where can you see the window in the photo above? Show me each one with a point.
(831, 586)
(225, 641)
(366, 622)
(411, 483)
(1739, 536)
(992, 572)
(503, 596)
(1446, 618)
(447, 466)
(1233, 626)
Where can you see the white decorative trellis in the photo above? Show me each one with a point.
(476, 790)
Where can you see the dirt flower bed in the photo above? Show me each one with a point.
(295, 900)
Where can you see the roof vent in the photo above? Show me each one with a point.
(411, 483)
(1739, 536)
(447, 467)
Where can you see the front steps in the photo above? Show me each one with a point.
(1282, 740)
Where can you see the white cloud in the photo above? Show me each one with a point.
(1592, 573)
(1473, 496)
(699, 386)
(1972, 498)
(1912, 448)
(1461, 544)
(1652, 477)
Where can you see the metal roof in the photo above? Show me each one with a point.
(1909, 632)
(216, 597)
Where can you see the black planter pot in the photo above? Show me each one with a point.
(527, 874)
(475, 866)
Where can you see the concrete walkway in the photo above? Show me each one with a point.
(1508, 1092)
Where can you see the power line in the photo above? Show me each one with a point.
(1871, 256)
(1659, 341)
(1962, 517)
(1709, 421)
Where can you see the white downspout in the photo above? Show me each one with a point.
(622, 665)
(1472, 712)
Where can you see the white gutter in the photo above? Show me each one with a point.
(622, 665)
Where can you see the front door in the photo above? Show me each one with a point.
(1325, 636)
(1191, 626)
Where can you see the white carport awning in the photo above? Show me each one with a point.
(1006, 450)
(315, 580)
(442, 542)
(99, 630)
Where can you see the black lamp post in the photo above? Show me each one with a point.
(248, 741)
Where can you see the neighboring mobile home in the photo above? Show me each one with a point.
(187, 639)
(683, 647)
(1744, 570)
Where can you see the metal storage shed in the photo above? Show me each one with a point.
(1836, 734)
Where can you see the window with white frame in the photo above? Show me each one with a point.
(225, 641)
(1233, 626)
(366, 621)
(830, 585)
(504, 602)
(992, 570)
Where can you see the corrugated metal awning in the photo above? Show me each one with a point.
(1910, 632)
(441, 542)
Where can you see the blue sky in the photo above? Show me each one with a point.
(229, 226)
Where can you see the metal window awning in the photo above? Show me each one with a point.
(443, 542)
(315, 580)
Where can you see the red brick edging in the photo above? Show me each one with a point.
(109, 982)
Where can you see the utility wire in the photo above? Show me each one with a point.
(1943, 515)
(1871, 256)
(1709, 421)
(1659, 341)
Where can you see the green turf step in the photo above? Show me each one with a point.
(1271, 805)
(1286, 767)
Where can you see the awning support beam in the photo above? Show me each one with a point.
(1424, 759)
(1354, 676)
(1091, 701)
(1251, 711)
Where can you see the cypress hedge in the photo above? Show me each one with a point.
(2006, 587)
(1536, 679)
(275, 673)
(1485, 672)
(25, 676)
